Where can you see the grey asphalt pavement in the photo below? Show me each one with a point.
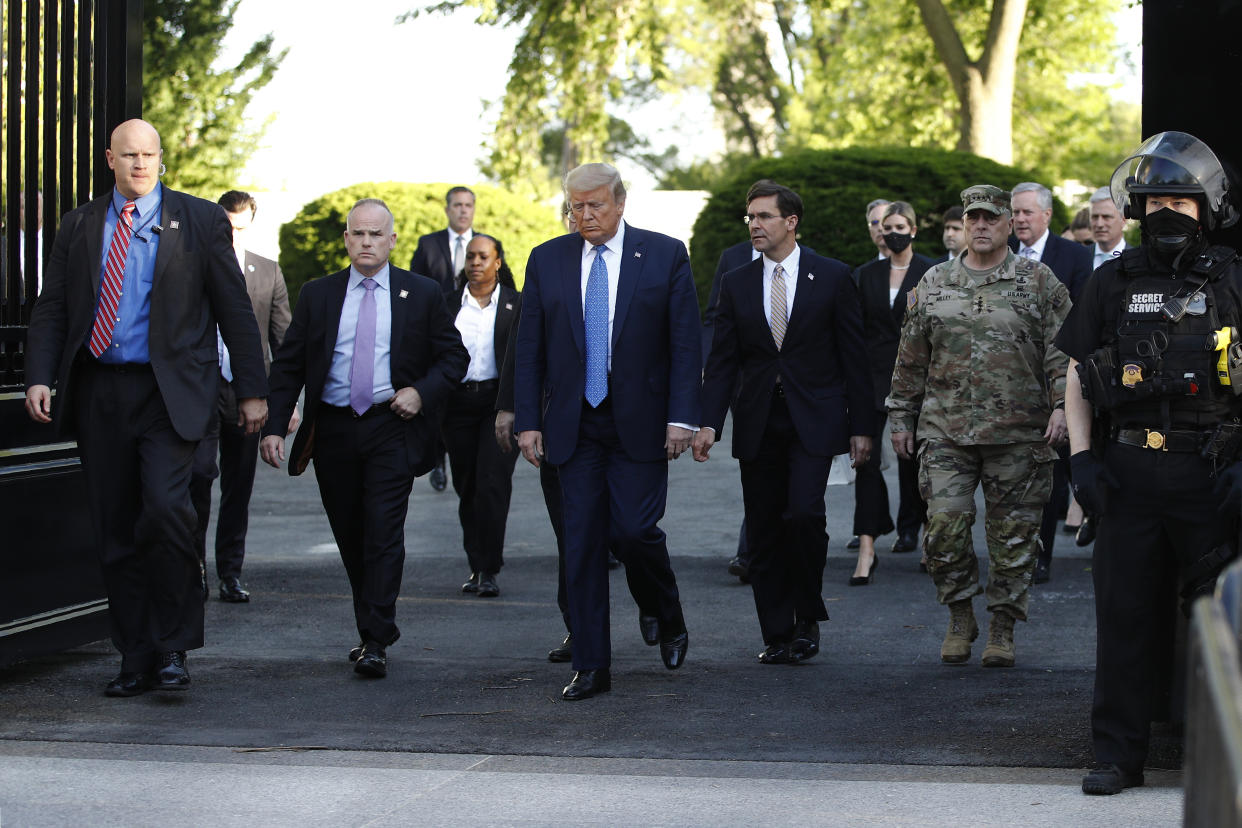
(469, 726)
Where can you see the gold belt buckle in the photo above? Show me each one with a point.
(1155, 440)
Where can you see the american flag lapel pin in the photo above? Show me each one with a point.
(811, 276)
(637, 254)
(174, 225)
(403, 294)
(508, 306)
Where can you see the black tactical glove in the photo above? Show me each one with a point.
(1229, 489)
(1091, 480)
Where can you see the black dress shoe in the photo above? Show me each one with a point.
(777, 653)
(805, 643)
(854, 543)
(649, 626)
(905, 543)
(129, 684)
(438, 477)
(471, 586)
(587, 683)
(487, 585)
(356, 652)
(372, 661)
(231, 591)
(740, 567)
(1043, 571)
(864, 580)
(1086, 532)
(172, 674)
(1107, 780)
(563, 653)
(673, 651)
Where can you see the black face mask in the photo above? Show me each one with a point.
(897, 242)
(1170, 231)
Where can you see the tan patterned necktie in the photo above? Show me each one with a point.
(780, 310)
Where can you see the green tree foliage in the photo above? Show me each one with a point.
(312, 245)
(199, 108)
(571, 61)
(836, 186)
(793, 74)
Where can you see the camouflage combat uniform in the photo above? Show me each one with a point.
(978, 373)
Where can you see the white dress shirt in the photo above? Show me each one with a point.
(612, 262)
(790, 266)
(477, 326)
(1038, 246)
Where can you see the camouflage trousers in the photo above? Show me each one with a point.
(1017, 481)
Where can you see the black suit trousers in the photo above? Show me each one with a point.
(482, 474)
(610, 499)
(238, 454)
(364, 477)
(550, 482)
(137, 471)
(871, 513)
(783, 492)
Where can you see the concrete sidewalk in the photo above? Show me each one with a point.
(54, 784)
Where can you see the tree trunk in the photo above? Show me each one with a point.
(984, 87)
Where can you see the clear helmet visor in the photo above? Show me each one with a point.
(1171, 163)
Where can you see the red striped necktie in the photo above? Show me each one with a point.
(114, 277)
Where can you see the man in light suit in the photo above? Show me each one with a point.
(377, 352)
(441, 256)
(125, 328)
(610, 331)
(788, 353)
(238, 451)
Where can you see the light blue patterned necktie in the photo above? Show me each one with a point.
(595, 319)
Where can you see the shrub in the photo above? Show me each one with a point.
(836, 186)
(311, 243)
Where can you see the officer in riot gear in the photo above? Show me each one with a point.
(1154, 413)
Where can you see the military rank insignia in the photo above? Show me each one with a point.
(912, 297)
(1131, 374)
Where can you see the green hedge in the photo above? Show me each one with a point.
(311, 244)
(837, 185)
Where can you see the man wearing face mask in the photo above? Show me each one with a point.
(1152, 410)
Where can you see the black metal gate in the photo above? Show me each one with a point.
(72, 70)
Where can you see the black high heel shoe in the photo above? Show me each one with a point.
(864, 580)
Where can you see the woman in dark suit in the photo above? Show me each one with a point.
(486, 316)
(882, 287)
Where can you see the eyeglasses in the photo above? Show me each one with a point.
(874, 222)
(751, 217)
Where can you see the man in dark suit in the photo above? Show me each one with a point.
(238, 451)
(788, 352)
(1072, 263)
(610, 328)
(125, 328)
(441, 256)
(376, 350)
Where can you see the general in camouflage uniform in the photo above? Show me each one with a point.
(978, 373)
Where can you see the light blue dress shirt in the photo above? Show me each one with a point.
(129, 335)
(336, 386)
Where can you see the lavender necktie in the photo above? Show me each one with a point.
(362, 367)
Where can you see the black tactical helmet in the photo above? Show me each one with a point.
(1174, 163)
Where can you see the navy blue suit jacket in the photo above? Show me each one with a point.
(1069, 261)
(656, 358)
(425, 351)
(822, 363)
